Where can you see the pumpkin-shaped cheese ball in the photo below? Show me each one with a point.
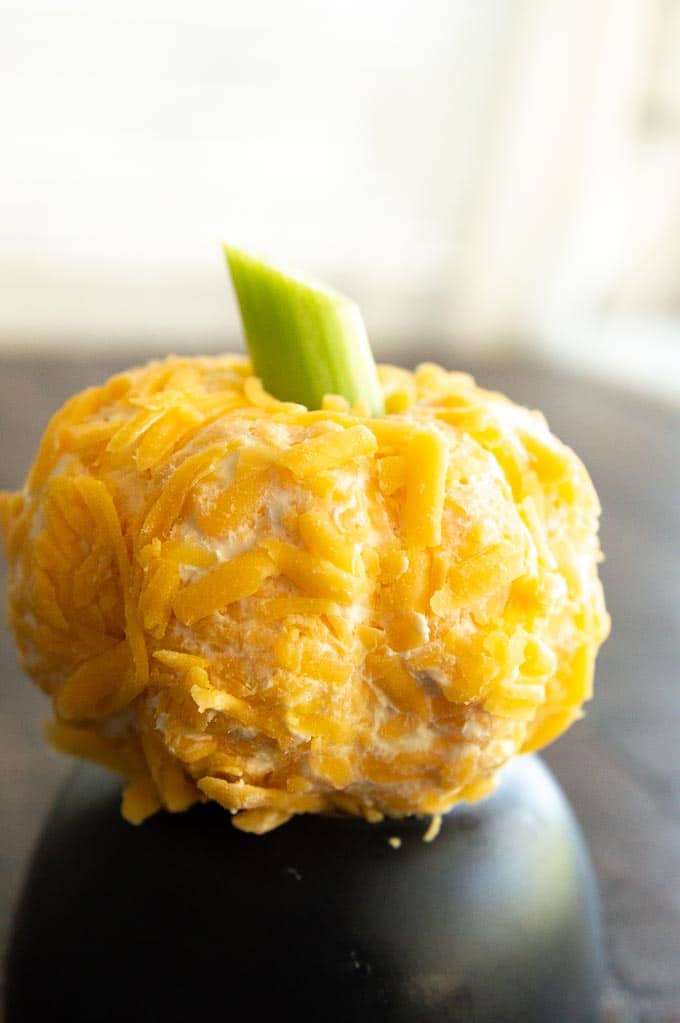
(233, 598)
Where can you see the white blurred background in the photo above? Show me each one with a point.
(493, 174)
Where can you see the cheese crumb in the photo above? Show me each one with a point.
(433, 829)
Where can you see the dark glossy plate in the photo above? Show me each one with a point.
(187, 919)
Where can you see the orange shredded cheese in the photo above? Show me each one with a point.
(329, 450)
(427, 458)
(234, 505)
(324, 540)
(232, 581)
(140, 799)
(313, 575)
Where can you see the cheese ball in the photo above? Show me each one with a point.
(232, 598)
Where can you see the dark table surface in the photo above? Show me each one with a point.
(620, 766)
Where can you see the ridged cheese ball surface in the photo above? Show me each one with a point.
(232, 598)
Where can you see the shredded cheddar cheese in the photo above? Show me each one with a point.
(230, 582)
(228, 597)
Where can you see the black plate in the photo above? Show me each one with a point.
(187, 919)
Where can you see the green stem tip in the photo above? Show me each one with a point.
(305, 340)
